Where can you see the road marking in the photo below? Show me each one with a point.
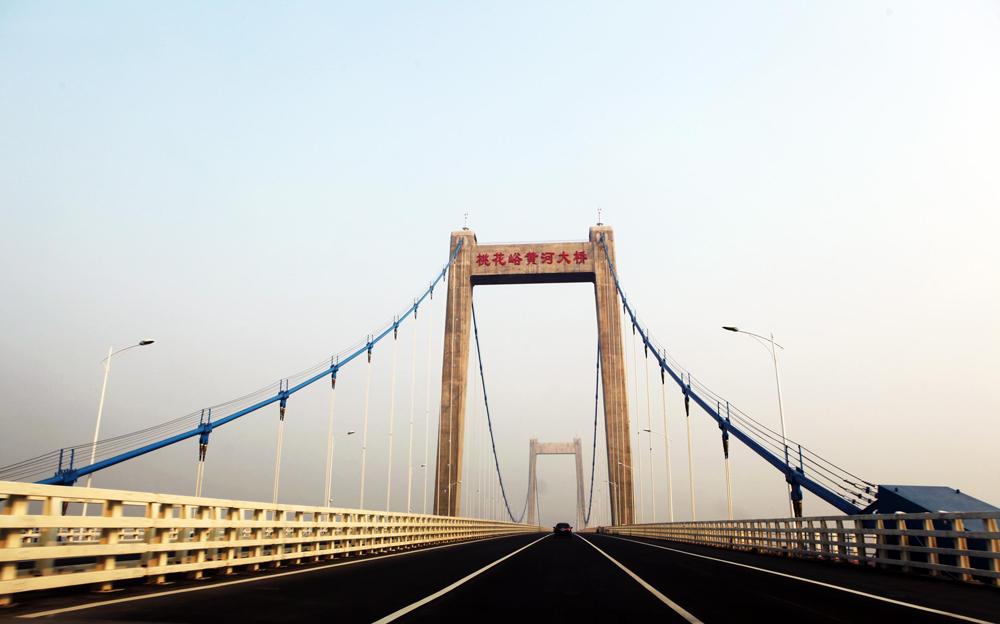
(821, 584)
(251, 580)
(436, 595)
(670, 603)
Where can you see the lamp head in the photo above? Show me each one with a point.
(732, 328)
(143, 343)
(350, 432)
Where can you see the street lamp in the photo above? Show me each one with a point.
(97, 428)
(773, 350)
(670, 484)
(329, 467)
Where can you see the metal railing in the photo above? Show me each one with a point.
(964, 546)
(46, 542)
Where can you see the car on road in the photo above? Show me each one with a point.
(563, 529)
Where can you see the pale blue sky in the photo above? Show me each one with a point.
(256, 186)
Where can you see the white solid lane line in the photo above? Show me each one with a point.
(435, 595)
(821, 584)
(670, 603)
(250, 580)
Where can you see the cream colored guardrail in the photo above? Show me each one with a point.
(46, 542)
(965, 546)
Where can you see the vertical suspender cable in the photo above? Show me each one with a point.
(277, 461)
(427, 412)
(666, 442)
(620, 390)
(364, 430)
(451, 394)
(649, 425)
(725, 448)
(202, 450)
(413, 396)
(617, 374)
(475, 424)
(627, 431)
(392, 411)
(328, 482)
(637, 462)
(687, 411)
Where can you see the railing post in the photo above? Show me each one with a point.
(824, 536)
(257, 550)
(200, 535)
(11, 538)
(961, 544)
(859, 541)
(904, 545)
(277, 537)
(993, 546)
(231, 534)
(162, 535)
(49, 536)
(109, 536)
(880, 553)
(932, 557)
(841, 542)
(149, 535)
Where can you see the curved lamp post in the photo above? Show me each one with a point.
(329, 468)
(100, 408)
(794, 506)
(670, 487)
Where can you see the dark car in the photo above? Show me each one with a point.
(563, 529)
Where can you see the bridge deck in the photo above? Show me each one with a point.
(547, 580)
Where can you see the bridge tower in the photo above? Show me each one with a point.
(532, 263)
(537, 448)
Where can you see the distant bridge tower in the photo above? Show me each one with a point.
(532, 263)
(537, 448)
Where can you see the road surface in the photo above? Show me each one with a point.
(538, 578)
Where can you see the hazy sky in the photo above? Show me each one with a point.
(256, 186)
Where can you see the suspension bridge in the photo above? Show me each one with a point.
(919, 553)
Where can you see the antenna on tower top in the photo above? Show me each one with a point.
(599, 217)
(466, 226)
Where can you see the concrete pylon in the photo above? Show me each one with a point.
(536, 448)
(531, 263)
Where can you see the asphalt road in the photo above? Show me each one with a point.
(537, 578)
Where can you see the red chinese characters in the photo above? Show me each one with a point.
(532, 257)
